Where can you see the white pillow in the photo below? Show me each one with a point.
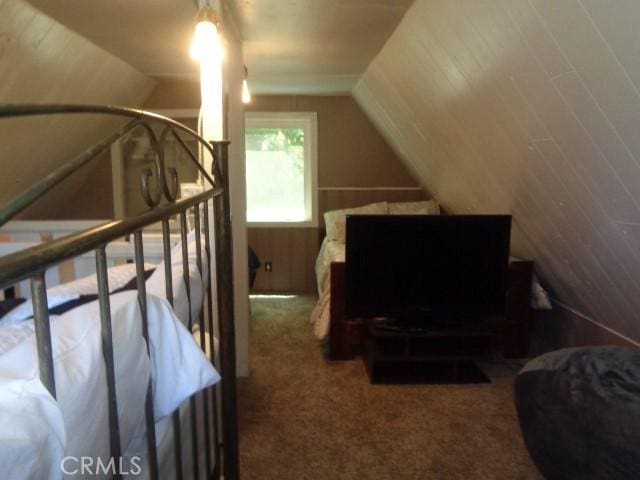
(429, 207)
(539, 297)
(32, 436)
(335, 220)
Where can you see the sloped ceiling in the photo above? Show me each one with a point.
(529, 107)
(154, 36)
(293, 46)
(42, 61)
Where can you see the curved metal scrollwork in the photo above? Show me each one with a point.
(166, 179)
(170, 188)
(152, 200)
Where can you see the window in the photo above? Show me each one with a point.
(281, 168)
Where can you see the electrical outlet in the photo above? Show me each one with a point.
(268, 267)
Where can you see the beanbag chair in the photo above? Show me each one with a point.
(579, 411)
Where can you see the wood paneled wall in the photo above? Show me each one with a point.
(293, 251)
(42, 61)
(529, 107)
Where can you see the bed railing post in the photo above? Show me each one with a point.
(203, 343)
(142, 301)
(224, 270)
(107, 352)
(212, 347)
(187, 284)
(168, 278)
(43, 332)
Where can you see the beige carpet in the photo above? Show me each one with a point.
(302, 417)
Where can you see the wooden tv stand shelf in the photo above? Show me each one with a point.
(347, 336)
(405, 355)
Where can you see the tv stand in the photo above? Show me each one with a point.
(396, 354)
(346, 335)
(397, 325)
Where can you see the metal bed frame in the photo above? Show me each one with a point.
(33, 262)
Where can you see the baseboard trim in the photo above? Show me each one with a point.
(565, 327)
(596, 323)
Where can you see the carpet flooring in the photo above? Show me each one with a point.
(302, 417)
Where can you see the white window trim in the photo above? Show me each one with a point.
(294, 119)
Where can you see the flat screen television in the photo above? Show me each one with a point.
(427, 270)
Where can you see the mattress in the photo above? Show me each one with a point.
(330, 251)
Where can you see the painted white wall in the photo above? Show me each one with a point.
(233, 76)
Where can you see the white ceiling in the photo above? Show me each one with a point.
(290, 46)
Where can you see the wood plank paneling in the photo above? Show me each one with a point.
(529, 107)
(293, 251)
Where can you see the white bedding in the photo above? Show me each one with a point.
(165, 446)
(330, 251)
(120, 275)
(156, 284)
(36, 431)
(333, 251)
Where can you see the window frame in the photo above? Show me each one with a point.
(308, 121)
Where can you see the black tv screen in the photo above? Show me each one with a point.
(427, 268)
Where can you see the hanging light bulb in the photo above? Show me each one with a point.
(206, 40)
(208, 51)
(246, 94)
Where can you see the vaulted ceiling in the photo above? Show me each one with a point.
(529, 107)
